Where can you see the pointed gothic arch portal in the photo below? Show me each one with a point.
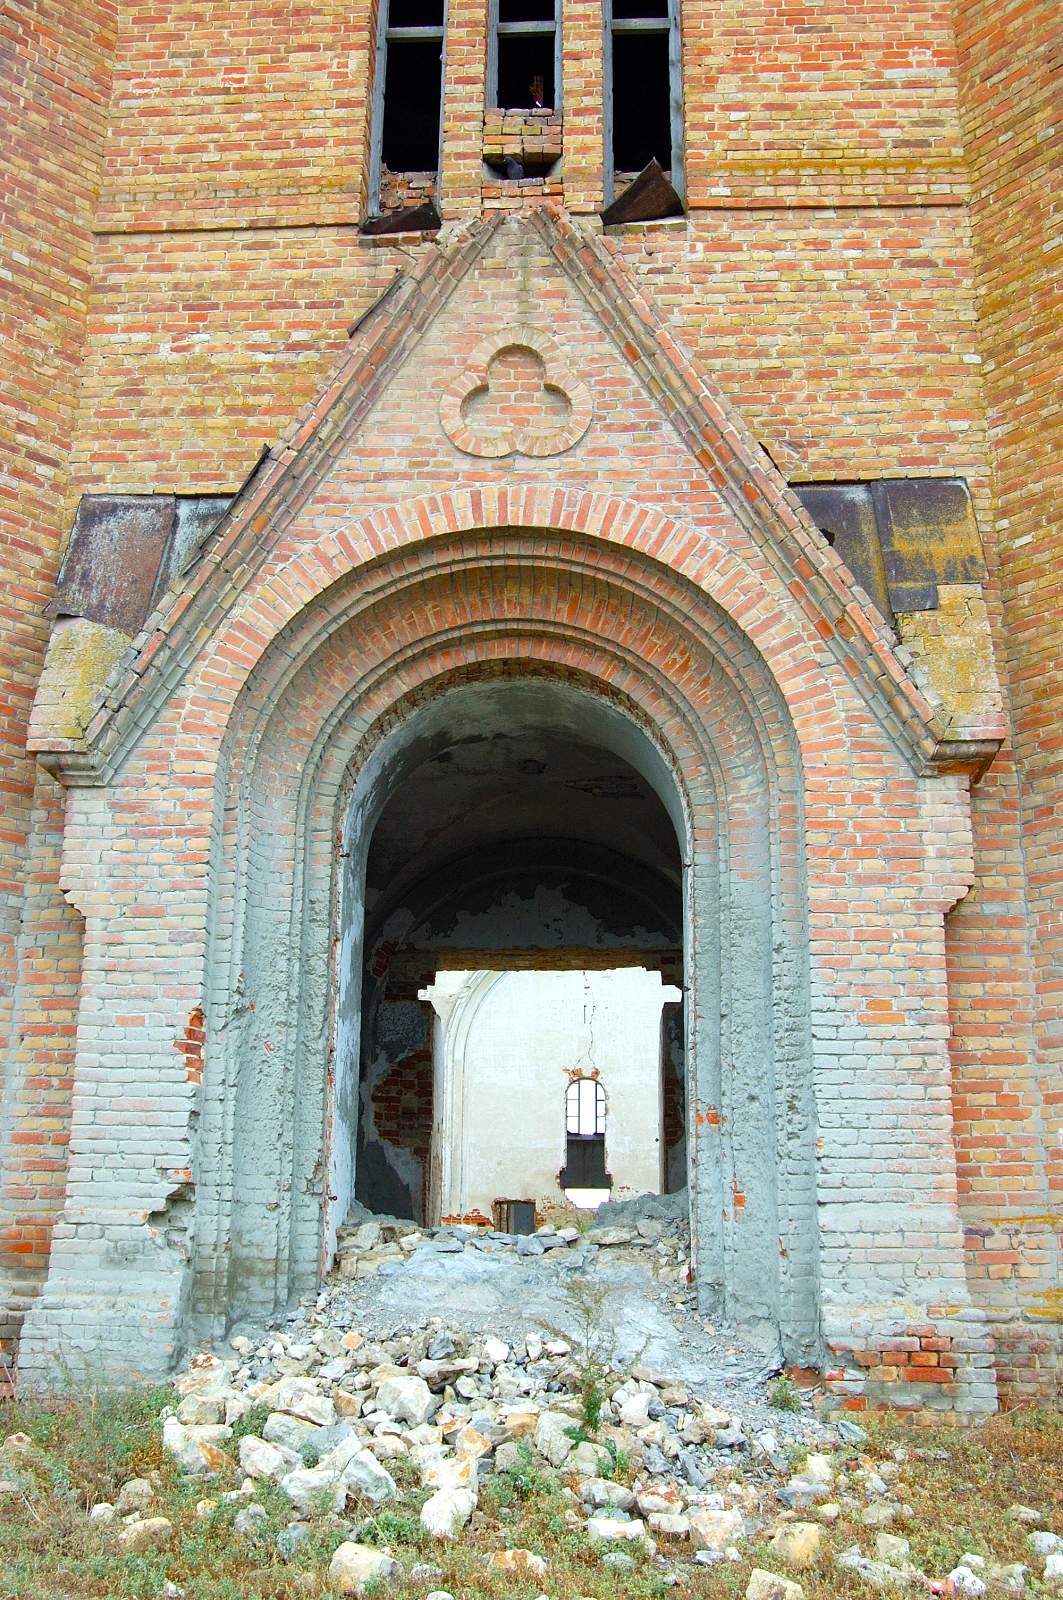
(510, 750)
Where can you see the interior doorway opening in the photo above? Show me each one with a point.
(546, 1084)
(523, 836)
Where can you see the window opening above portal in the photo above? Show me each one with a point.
(643, 91)
(407, 109)
(524, 55)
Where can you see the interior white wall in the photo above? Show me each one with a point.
(507, 1045)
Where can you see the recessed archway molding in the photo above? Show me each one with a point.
(315, 681)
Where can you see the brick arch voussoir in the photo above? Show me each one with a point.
(626, 585)
(418, 640)
(298, 582)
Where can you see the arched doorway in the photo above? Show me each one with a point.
(519, 839)
(599, 663)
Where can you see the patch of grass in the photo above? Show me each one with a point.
(782, 1394)
(83, 1447)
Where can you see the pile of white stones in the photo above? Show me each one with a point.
(344, 1404)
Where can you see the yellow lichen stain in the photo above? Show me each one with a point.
(953, 651)
(1051, 1309)
(81, 655)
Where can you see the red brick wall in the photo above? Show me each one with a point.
(40, 1062)
(835, 103)
(1011, 82)
(202, 346)
(54, 87)
(235, 111)
(830, 278)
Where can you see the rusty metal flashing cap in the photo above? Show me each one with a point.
(648, 198)
(124, 549)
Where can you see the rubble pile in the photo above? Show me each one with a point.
(340, 1413)
(652, 1229)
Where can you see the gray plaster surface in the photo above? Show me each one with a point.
(510, 1296)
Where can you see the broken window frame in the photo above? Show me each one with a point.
(520, 30)
(385, 34)
(621, 25)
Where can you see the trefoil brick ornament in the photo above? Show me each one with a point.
(516, 397)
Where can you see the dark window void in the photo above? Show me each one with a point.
(412, 86)
(585, 1163)
(642, 118)
(525, 11)
(415, 14)
(525, 71)
(522, 64)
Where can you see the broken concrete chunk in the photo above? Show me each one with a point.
(354, 1566)
(715, 1530)
(508, 1458)
(200, 1410)
(364, 1472)
(262, 1460)
(589, 1460)
(471, 1443)
(139, 1537)
(315, 1489)
(438, 1373)
(552, 1437)
(889, 1547)
(603, 1492)
(206, 1375)
(764, 1585)
(880, 1574)
(610, 1237)
(291, 1432)
(133, 1496)
(447, 1512)
(881, 1515)
(451, 1473)
(635, 1412)
(818, 1469)
(522, 1562)
(248, 1522)
(197, 1451)
(669, 1525)
(798, 1544)
(963, 1581)
(407, 1398)
(611, 1530)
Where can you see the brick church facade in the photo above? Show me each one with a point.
(434, 536)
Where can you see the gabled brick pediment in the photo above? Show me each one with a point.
(404, 388)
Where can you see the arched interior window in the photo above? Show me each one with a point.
(585, 1107)
(584, 1178)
